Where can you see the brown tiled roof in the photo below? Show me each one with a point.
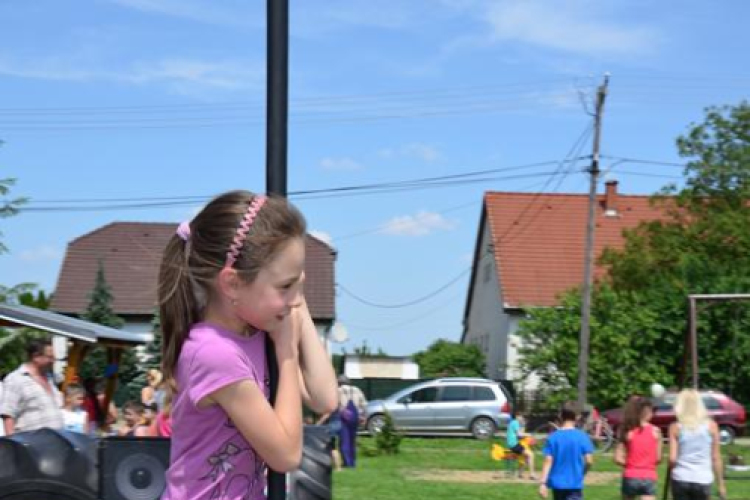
(539, 240)
(131, 254)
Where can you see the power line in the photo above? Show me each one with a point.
(626, 159)
(405, 304)
(138, 202)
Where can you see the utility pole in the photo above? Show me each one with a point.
(277, 104)
(588, 266)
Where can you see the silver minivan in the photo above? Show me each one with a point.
(445, 405)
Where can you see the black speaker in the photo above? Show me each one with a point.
(133, 468)
(312, 481)
(48, 465)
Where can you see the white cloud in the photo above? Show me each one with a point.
(323, 236)
(343, 164)
(414, 150)
(43, 253)
(421, 224)
(575, 26)
(182, 75)
(222, 13)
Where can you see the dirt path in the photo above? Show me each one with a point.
(466, 476)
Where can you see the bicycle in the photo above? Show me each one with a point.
(598, 429)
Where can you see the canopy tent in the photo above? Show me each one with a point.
(83, 334)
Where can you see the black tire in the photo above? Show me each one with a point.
(48, 465)
(375, 423)
(727, 434)
(312, 481)
(483, 428)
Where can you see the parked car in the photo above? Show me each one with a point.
(476, 405)
(729, 414)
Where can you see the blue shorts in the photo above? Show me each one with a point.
(632, 487)
(567, 494)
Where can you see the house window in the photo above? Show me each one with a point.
(487, 273)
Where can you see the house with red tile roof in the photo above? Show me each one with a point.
(131, 254)
(529, 250)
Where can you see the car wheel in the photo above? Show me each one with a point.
(483, 428)
(375, 423)
(726, 435)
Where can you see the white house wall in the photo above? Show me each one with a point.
(487, 324)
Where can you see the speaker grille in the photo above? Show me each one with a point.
(133, 468)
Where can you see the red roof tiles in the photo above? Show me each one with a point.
(539, 240)
(131, 254)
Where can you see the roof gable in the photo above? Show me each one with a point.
(131, 254)
(538, 240)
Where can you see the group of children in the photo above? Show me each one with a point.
(139, 420)
(694, 457)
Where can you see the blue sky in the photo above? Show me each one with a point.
(105, 99)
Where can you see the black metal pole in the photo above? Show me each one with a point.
(277, 101)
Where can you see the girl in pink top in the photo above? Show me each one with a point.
(639, 450)
(230, 281)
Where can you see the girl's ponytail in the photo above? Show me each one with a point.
(178, 305)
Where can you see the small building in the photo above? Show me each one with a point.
(131, 254)
(529, 250)
(380, 367)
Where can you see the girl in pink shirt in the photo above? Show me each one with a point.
(231, 281)
(639, 450)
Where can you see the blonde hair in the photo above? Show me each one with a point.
(690, 410)
(189, 268)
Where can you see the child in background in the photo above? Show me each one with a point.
(513, 440)
(639, 450)
(164, 419)
(75, 417)
(568, 455)
(135, 421)
(230, 281)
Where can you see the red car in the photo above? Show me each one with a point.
(729, 414)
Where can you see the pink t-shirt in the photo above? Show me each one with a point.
(209, 458)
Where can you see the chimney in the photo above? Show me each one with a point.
(610, 199)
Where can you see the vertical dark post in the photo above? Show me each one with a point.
(694, 340)
(277, 101)
(277, 96)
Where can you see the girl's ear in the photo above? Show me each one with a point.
(228, 283)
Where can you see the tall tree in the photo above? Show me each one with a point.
(701, 246)
(444, 358)
(100, 311)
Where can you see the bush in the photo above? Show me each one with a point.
(388, 439)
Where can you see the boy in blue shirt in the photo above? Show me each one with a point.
(568, 455)
(513, 440)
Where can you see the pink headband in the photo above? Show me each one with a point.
(247, 221)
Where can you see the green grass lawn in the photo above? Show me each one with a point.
(396, 477)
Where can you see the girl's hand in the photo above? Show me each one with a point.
(286, 335)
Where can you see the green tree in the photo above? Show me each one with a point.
(444, 358)
(95, 364)
(151, 358)
(13, 341)
(8, 208)
(639, 314)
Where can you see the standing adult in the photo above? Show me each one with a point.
(694, 450)
(30, 400)
(352, 404)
